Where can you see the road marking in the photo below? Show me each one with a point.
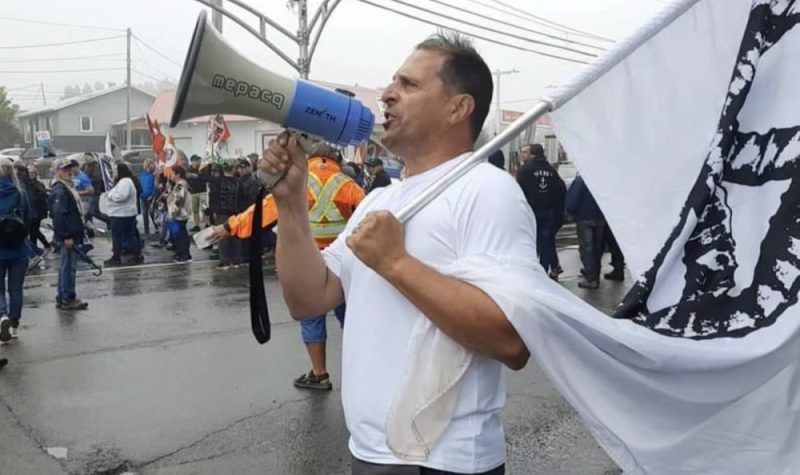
(120, 268)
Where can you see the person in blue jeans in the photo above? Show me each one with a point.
(15, 249)
(68, 232)
(314, 332)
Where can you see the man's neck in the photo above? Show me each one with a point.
(421, 163)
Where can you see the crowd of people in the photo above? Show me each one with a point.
(163, 199)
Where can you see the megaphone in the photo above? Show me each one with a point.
(216, 79)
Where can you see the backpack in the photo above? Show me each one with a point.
(13, 229)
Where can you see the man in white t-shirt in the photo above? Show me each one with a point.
(393, 276)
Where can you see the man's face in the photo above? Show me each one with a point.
(416, 103)
(68, 173)
(526, 153)
(151, 167)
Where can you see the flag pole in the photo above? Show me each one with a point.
(569, 90)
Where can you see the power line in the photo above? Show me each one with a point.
(492, 30)
(63, 43)
(149, 76)
(20, 87)
(70, 25)
(74, 58)
(541, 53)
(550, 22)
(61, 71)
(146, 62)
(158, 52)
(540, 33)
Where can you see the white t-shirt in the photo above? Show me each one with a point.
(484, 212)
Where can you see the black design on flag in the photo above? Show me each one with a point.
(722, 296)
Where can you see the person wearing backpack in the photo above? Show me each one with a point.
(15, 248)
(37, 196)
(68, 232)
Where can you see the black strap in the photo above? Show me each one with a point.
(259, 313)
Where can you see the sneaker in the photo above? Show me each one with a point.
(137, 260)
(236, 266)
(588, 284)
(157, 245)
(5, 327)
(112, 262)
(616, 274)
(74, 305)
(59, 305)
(312, 381)
(223, 267)
(183, 261)
(14, 333)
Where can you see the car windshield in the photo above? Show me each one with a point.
(14, 152)
(32, 153)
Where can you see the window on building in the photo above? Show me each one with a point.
(86, 123)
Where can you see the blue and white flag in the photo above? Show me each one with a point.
(690, 143)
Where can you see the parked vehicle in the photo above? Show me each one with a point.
(42, 163)
(12, 153)
(393, 167)
(136, 158)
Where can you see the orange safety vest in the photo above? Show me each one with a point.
(332, 197)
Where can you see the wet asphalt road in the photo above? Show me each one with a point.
(161, 376)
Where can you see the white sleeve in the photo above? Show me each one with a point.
(493, 218)
(121, 191)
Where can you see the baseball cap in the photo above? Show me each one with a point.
(373, 162)
(62, 163)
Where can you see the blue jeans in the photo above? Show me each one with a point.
(66, 274)
(182, 240)
(16, 269)
(314, 330)
(546, 228)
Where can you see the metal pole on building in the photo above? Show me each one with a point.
(216, 15)
(128, 106)
(44, 99)
(497, 75)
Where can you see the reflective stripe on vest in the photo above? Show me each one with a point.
(326, 220)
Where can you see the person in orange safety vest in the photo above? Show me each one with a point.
(332, 199)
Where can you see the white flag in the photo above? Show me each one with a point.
(691, 145)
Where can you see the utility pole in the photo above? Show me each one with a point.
(44, 99)
(302, 39)
(498, 74)
(128, 107)
(216, 15)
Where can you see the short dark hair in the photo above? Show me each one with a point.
(179, 170)
(464, 72)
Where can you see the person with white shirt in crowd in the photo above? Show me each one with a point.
(123, 207)
(394, 277)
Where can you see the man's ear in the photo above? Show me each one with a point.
(461, 108)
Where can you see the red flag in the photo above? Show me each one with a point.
(158, 139)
